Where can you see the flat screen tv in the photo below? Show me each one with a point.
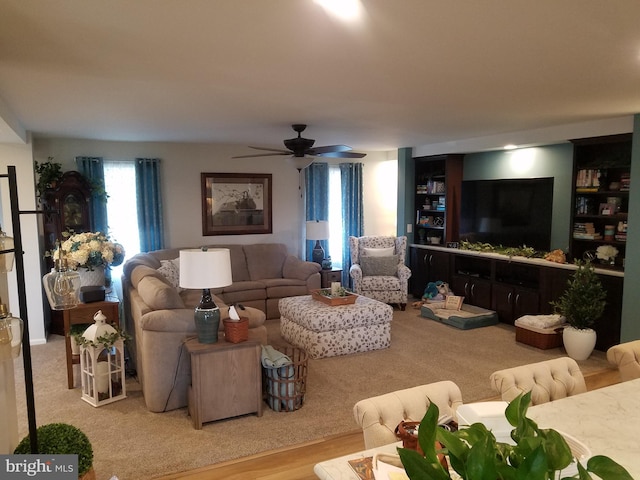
(507, 212)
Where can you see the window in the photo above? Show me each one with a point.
(335, 217)
(122, 216)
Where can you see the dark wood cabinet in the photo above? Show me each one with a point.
(427, 266)
(475, 291)
(510, 286)
(67, 208)
(602, 167)
(511, 302)
(437, 198)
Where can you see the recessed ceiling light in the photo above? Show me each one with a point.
(344, 9)
(511, 146)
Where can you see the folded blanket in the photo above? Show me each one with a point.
(273, 358)
(541, 321)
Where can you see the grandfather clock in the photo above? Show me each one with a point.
(69, 203)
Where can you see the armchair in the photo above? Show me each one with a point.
(378, 270)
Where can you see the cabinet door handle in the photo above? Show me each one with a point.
(517, 300)
(509, 298)
(431, 260)
(466, 288)
(473, 290)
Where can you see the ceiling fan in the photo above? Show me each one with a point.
(303, 147)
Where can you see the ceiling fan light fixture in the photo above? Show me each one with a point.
(301, 162)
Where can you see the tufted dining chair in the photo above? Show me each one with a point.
(626, 356)
(378, 270)
(547, 381)
(379, 416)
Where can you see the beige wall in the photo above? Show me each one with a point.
(183, 163)
(19, 155)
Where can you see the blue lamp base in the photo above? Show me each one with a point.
(207, 318)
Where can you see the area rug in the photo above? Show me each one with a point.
(135, 444)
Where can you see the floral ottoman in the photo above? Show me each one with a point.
(327, 331)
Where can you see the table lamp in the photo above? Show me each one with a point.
(204, 269)
(317, 230)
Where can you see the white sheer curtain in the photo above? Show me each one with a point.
(122, 216)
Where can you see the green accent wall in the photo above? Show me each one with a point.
(549, 161)
(406, 197)
(630, 328)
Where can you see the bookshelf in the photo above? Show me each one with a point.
(600, 196)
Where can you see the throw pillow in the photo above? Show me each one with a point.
(170, 269)
(387, 266)
(378, 252)
(453, 302)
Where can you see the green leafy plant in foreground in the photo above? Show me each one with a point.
(474, 453)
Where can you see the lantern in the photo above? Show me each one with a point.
(102, 363)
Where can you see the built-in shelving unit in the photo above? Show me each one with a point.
(437, 198)
(602, 167)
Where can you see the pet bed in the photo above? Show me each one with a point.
(468, 317)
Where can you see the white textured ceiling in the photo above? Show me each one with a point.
(411, 72)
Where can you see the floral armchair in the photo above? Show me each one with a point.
(378, 270)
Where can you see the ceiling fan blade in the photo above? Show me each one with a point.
(284, 152)
(328, 149)
(263, 155)
(341, 155)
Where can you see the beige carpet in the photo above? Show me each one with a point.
(134, 444)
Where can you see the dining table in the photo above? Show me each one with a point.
(606, 420)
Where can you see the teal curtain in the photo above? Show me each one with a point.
(149, 199)
(352, 211)
(93, 170)
(317, 200)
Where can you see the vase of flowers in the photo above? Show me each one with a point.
(607, 254)
(90, 253)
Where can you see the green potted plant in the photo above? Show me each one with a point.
(474, 453)
(62, 439)
(582, 303)
(49, 173)
(75, 331)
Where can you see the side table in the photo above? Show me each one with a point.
(329, 276)
(84, 313)
(226, 380)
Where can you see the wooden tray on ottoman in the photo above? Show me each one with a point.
(319, 295)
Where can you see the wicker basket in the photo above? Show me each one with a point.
(285, 386)
(236, 332)
(544, 341)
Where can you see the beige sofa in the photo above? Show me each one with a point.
(158, 314)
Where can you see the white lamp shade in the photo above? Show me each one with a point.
(317, 230)
(301, 162)
(209, 268)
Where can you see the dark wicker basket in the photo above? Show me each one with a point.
(236, 332)
(285, 386)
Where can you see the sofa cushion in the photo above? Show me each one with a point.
(141, 271)
(158, 294)
(387, 266)
(378, 252)
(300, 270)
(265, 260)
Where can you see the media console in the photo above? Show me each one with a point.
(511, 286)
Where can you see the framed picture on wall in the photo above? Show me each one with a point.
(236, 203)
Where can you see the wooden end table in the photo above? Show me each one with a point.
(329, 276)
(84, 313)
(226, 380)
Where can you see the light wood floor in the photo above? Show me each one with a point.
(297, 462)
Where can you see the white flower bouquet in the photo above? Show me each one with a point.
(89, 250)
(606, 252)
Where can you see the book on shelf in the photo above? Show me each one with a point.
(588, 179)
(587, 236)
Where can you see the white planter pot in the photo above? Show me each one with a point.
(95, 277)
(579, 343)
